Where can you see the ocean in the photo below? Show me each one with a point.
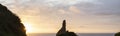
(79, 34)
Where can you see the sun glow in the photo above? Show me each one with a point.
(28, 27)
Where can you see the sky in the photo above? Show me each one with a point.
(82, 16)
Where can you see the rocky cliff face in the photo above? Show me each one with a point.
(10, 24)
(117, 34)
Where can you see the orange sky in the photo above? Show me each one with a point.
(83, 16)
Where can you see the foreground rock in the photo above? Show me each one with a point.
(117, 34)
(63, 32)
(10, 24)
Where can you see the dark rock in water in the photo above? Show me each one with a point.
(63, 29)
(117, 34)
(10, 24)
(63, 32)
(68, 34)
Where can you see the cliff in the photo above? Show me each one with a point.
(10, 24)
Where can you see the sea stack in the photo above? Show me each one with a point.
(63, 32)
(63, 29)
(10, 24)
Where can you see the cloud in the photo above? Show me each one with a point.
(86, 13)
(66, 2)
(103, 8)
(74, 9)
(62, 11)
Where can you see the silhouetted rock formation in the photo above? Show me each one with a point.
(63, 32)
(63, 29)
(117, 34)
(10, 24)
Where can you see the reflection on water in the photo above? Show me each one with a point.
(80, 34)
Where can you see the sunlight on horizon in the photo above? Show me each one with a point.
(41, 27)
(83, 16)
(28, 27)
(32, 29)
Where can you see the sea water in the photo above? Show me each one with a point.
(79, 34)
